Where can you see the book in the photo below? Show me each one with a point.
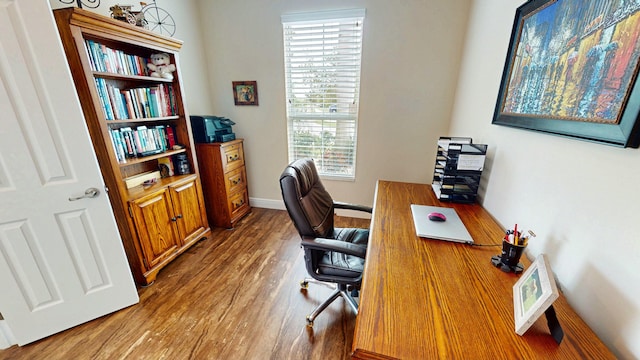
(165, 165)
(162, 136)
(139, 179)
(171, 140)
(129, 104)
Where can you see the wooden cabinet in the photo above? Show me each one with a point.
(167, 220)
(224, 179)
(136, 121)
(186, 199)
(158, 237)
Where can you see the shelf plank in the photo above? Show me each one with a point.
(139, 191)
(139, 160)
(116, 76)
(142, 120)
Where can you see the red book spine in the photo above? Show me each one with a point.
(170, 137)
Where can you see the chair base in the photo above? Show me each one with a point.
(340, 291)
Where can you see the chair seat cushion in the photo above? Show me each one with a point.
(338, 264)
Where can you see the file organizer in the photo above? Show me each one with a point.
(458, 169)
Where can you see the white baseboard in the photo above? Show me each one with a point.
(267, 203)
(279, 205)
(6, 336)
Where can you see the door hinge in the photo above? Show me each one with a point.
(130, 212)
(144, 261)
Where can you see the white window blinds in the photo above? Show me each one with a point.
(322, 54)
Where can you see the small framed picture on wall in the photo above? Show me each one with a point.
(245, 92)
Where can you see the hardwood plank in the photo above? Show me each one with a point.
(234, 295)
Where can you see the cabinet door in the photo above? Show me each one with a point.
(186, 205)
(157, 232)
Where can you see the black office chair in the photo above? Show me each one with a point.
(333, 255)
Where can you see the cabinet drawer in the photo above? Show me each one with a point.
(232, 157)
(238, 204)
(236, 180)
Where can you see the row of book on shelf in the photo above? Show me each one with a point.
(105, 59)
(136, 103)
(141, 141)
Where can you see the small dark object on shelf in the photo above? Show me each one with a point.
(181, 164)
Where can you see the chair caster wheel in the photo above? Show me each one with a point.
(309, 322)
(304, 284)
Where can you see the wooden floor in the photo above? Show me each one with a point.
(235, 295)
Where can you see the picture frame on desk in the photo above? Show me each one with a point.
(572, 69)
(533, 294)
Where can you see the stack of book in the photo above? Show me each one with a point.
(105, 59)
(141, 141)
(136, 103)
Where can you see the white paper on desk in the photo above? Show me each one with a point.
(444, 143)
(471, 162)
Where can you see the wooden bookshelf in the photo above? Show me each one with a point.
(157, 222)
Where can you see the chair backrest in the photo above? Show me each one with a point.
(309, 205)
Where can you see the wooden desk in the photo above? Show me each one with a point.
(428, 299)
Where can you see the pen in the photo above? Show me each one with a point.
(527, 237)
(515, 234)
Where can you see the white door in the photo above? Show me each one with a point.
(61, 262)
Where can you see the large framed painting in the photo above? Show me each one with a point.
(572, 69)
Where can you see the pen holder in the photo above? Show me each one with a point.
(509, 260)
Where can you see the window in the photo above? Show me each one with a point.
(322, 53)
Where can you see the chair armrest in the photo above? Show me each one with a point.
(334, 245)
(343, 205)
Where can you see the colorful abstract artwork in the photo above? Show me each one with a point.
(574, 61)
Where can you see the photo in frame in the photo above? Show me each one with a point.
(245, 92)
(533, 294)
(571, 70)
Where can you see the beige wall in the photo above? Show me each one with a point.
(580, 198)
(411, 56)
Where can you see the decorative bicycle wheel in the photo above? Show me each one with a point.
(92, 4)
(131, 19)
(159, 20)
